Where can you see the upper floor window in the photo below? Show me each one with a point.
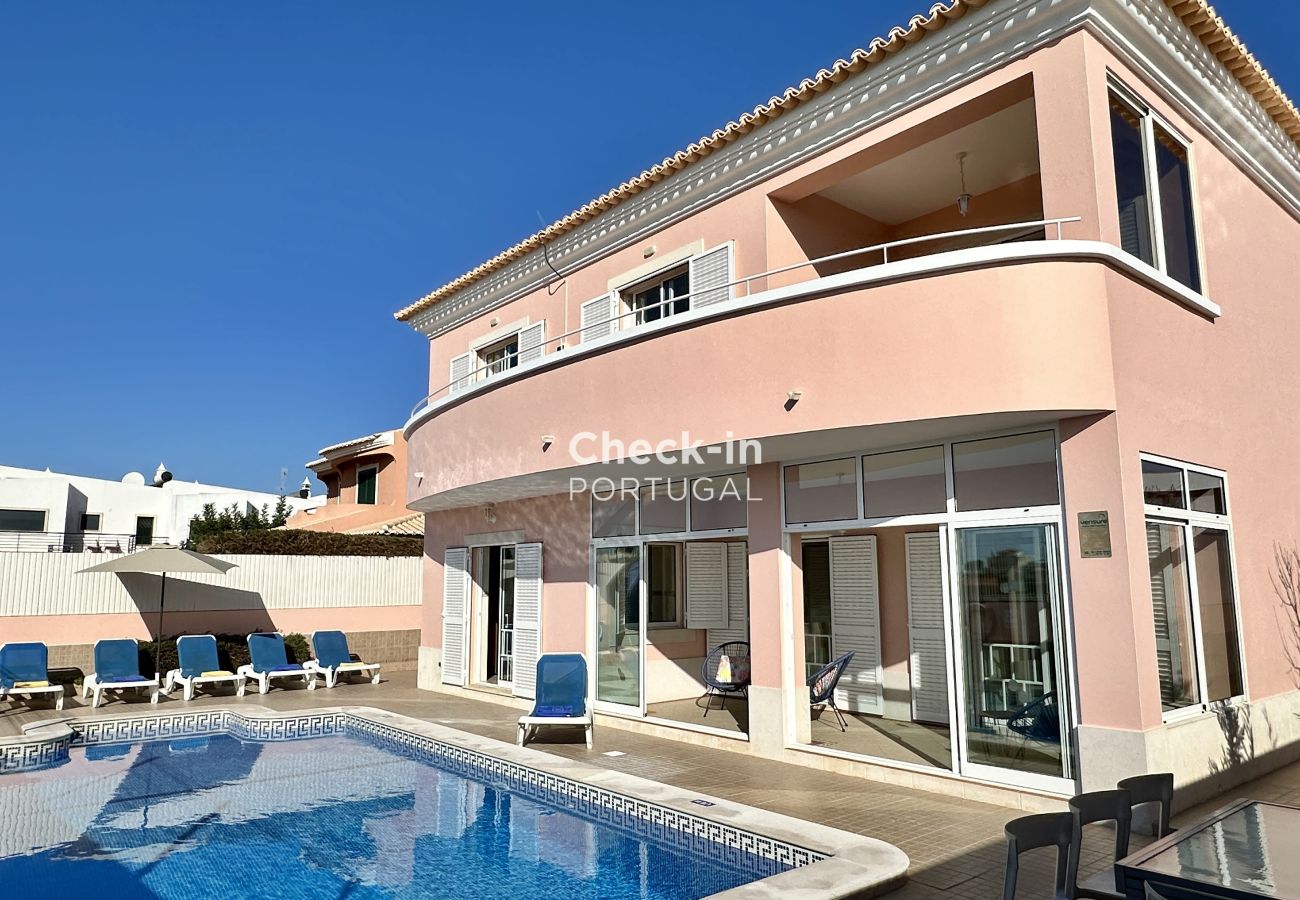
(1153, 184)
(497, 358)
(22, 520)
(658, 298)
(368, 485)
(90, 521)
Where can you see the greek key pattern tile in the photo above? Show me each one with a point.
(712, 840)
(26, 757)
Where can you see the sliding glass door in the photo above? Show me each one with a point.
(619, 631)
(1012, 654)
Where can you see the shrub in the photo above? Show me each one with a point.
(232, 652)
(232, 518)
(311, 543)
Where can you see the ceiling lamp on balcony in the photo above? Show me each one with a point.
(963, 199)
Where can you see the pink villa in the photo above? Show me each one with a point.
(972, 355)
(365, 488)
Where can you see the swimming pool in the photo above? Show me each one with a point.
(336, 804)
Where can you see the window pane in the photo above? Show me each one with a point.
(1179, 229)
(22, 520)
(1171, 604)
(367, 480)
(663, 508)
(662, 585)
(1217, 607)
(613, 515)
(1019, 470)
(821, 491)
(618, 625)
(1162, 485)
(90, 521)
(719, 502)
(904, 482)
(1207, 493)
(1131, 181)
(816, 606)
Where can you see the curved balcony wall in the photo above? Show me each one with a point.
(1029, 335)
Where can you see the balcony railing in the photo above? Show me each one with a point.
(1041, 229)
(67, 542)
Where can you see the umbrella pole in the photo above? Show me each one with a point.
(157, 644)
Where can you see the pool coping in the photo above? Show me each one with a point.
(842, 864)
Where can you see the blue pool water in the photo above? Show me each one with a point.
(330, 817)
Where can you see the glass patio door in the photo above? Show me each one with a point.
(1011, 655)
(620, 629)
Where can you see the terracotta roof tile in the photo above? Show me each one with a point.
(1199, 16)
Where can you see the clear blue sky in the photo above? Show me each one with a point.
(202, 204)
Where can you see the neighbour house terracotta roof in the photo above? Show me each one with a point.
(411, 523)
(1198, 15)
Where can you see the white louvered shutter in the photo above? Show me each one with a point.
(1169, 660)
(597, 317)
(737, 597)
(706, 586)
(455, 615)
(926, 630)
(461, 367)
(531, 339)
(855, 621)
(711, 273)
(528, 618)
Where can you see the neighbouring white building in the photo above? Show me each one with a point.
(42, 510)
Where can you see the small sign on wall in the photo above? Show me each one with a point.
(1094, 535)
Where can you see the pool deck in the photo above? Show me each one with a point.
(955, 845)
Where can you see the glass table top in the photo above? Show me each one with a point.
(1251, 851)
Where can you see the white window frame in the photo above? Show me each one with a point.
(357, 487)
(499, 335)
(97, 529)
(511, 360)
(1155, 216)
(627, 293)
(679, 553)
(1189, 519)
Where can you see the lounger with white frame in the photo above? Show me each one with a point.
(199, 667)
(561, 695)
(269, 661)
(25, 673)
(334, 659)
(117, 668)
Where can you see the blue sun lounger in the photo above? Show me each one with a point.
(270, 661)
(333, 658)
(117, 668)
(561, 696)
(24, 672)
(199, 666)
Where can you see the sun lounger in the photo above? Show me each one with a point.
(117, 668)
(334, 659)
(270, 661)
(24, 672)
(199, 666)
(561, 696)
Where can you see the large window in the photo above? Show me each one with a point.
(822, 491)
(659, 298)
(662, 582)
(22, 520)
(1153, 185)
(1194, 605)
(499, 357)
(1002, 472)
(904, 482)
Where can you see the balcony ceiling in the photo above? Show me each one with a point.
(1002, 149)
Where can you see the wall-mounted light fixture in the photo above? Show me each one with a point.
(490, 512)
(792, 398)
(648, 252)
(547, 440)
(963, 199)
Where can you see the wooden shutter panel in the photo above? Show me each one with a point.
(711, 273)
(927, 632)
(597, 317)
(461, 367)
(737, 597)
(455, 615)
(855, 621)
(528, 618)
(706, 585)
(531, 339)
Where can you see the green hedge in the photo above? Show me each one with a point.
(312, 543)
(232, 651)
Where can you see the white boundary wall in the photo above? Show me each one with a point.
(49, 584)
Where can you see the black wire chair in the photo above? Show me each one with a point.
(822, 684)
(723, 681)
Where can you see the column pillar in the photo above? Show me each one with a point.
(769, 602)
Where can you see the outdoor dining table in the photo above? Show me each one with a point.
(1250, 849)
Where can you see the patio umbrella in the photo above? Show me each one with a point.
(162, 560)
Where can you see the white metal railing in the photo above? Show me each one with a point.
(610, 324)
